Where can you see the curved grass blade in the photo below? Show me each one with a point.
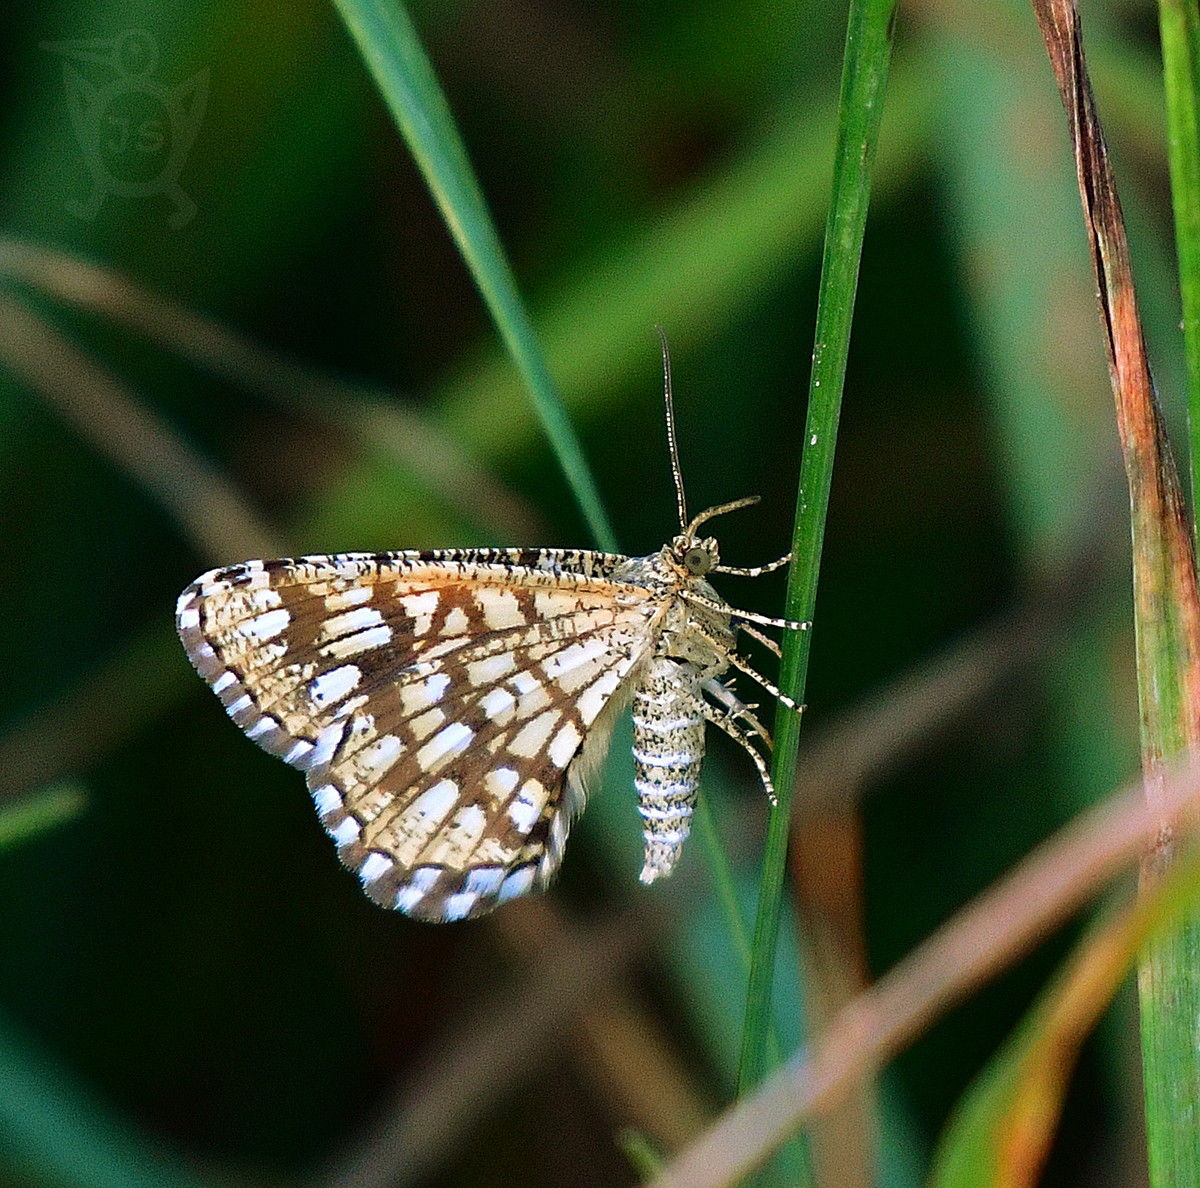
(1004, 1124)
(393, 53)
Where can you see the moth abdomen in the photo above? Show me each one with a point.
(668, 749)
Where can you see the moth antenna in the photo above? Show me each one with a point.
(672, 444)
(719, 510)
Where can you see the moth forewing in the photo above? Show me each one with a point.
(450, 709)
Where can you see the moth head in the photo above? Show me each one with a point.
(695, 557)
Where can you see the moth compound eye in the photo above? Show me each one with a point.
(696, 560)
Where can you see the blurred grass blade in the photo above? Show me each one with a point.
(119, 425)
(1004, 1124)
(713, 253)
(1179, 30)
(793, 1166)
(44, 810)
(381, 419)
(724, 884)
(991, 934)
(54, 1131)
(389, 44)
(645, 1158)
(1166, 610)
(864, 81)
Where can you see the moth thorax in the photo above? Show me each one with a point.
(668, 748)
(696, 557)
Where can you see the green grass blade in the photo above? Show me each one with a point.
(389, 45)
(1166, 610)
(1179, 28)
(724, 885)
(864, 81)
(763, 210)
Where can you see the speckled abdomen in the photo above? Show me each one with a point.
(668, 748)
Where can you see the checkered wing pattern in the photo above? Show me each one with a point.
(446, 707)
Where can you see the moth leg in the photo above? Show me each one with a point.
(741, 616)
(736, 709)
(754, 570)
(766, 641)
(727, 719)
(745, 666)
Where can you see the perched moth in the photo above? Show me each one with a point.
(449, 708)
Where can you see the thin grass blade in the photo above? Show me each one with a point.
(389, 45)
(864, 81)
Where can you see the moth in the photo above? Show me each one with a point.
(450, 709)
